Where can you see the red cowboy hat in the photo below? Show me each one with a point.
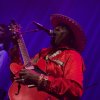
(57, 19)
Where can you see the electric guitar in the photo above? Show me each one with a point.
(19, 91)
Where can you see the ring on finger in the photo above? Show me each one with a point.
(23, 80)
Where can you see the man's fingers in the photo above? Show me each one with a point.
(20, 80)
(15, 78)
(22, 72)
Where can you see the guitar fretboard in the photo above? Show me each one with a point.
(23, 50)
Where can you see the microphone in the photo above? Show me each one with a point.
(41, 27)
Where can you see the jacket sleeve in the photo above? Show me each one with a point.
(71, 82)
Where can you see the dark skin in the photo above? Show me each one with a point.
(30, 76)
(61, 36)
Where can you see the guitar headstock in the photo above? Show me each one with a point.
(15, 29)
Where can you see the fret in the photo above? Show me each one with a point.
(23, 50)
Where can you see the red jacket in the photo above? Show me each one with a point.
(64, 69)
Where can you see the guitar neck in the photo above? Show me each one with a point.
(23, 50)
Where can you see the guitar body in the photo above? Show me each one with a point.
(25, 93)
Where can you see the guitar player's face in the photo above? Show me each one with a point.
(61, 35)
